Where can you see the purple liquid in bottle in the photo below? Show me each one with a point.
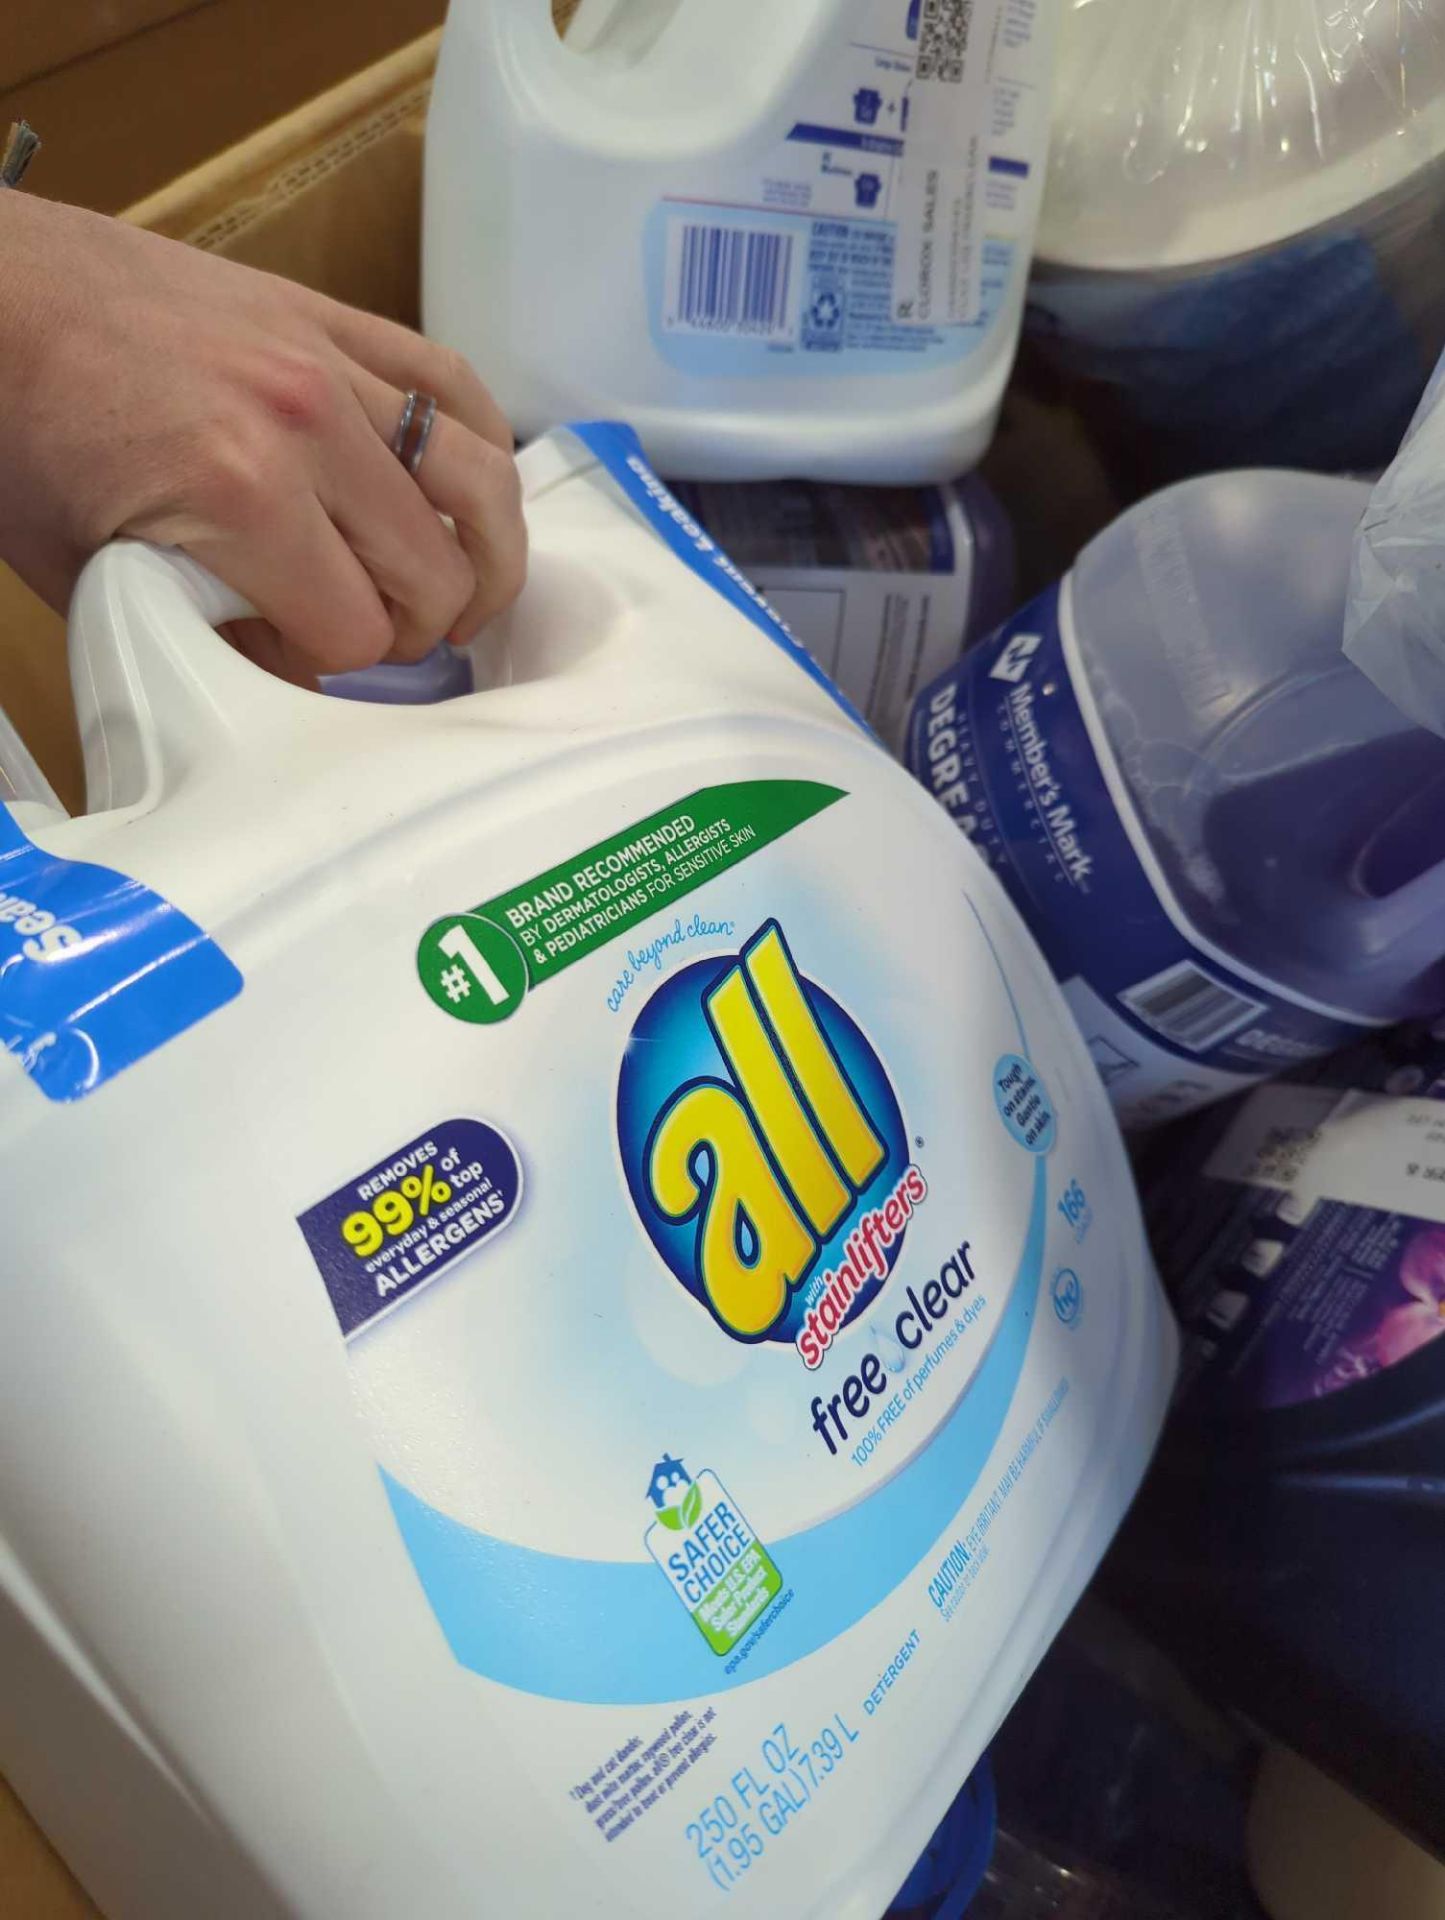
(1229, 844)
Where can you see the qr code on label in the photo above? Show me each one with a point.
(1280, 1155)
(943, 39)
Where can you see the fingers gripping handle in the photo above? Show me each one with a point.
(214, 600)
(161, 698)
(158, 693)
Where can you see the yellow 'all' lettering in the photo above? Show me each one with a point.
(844, 1124)
(741, 1201)
(774, 1161)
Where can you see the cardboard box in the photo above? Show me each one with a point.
(35, 1884)
(126, 94)
(39, 36)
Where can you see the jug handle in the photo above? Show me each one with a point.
(626, 28)
(159, 695)
(687, 41)
(1409, 918)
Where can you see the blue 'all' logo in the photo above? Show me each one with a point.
(758, 1128)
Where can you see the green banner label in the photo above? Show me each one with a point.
(478, 965)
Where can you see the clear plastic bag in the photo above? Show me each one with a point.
(1240, 248)
(1395, 607)
(1187, 130)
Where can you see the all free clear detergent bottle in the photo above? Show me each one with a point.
(784, 241)
(1229, 844)
(575, 1312)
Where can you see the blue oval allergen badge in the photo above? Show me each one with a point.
(391, 1231)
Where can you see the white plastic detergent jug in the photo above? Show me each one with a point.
(784, 241)
(576, 1316)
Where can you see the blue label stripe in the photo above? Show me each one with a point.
(96, 971)
(941, 554)
(620, 451)
(1018, 168)
(610, 1632)
(811, 135)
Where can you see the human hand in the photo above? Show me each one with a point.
(152, 390)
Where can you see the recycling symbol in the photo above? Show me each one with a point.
(826, 310)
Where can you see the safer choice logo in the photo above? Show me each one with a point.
(764, 1147)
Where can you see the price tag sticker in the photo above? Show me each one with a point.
(1366, 1149)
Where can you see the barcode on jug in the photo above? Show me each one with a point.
(943, 39)
(730, 280)
(1190, 1007)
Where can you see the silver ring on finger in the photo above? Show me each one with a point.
(413, 430)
